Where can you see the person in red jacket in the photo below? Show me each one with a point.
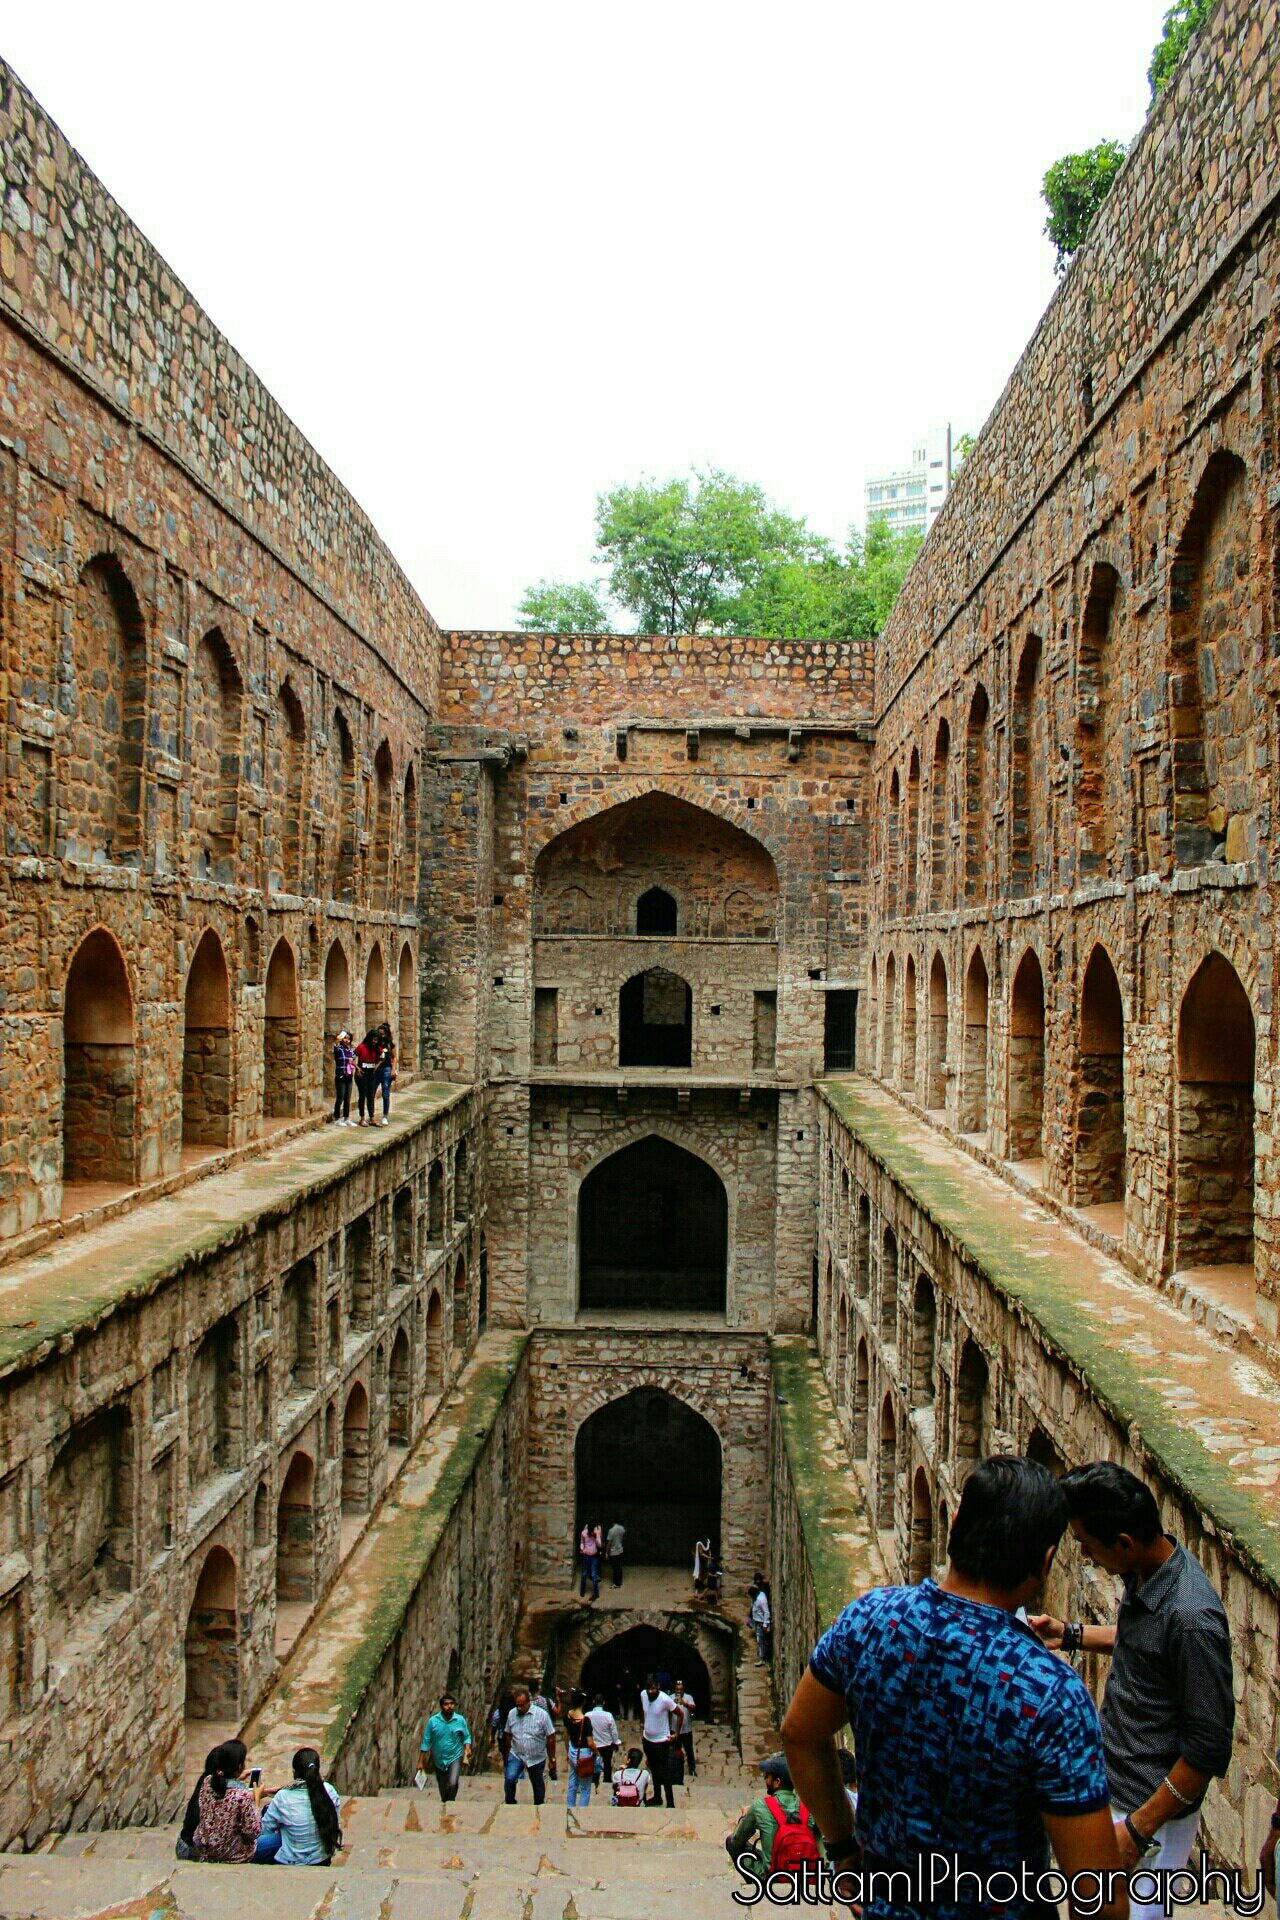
(369, 1057)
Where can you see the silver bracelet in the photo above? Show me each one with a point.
(1181, 1798)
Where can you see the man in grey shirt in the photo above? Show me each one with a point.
(1168, 1709)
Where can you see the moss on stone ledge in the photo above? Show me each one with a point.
(1039, 1267)
(827, 1505)
(406, 1545)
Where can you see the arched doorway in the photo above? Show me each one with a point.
(375, 989)
(886, 1467)
(656, 911)
(337, 997)
(653, 1231)
(295, 1532)
(406, 1038)
(384, 784)
(1026, 1061)
(213, 1642)
(1213, 1188)
(935, 1093)
(355, 1451)
(655, 1020)
(98, 1065)
(921, 1563)
(651, 1462)
(618, 1670)
(398, 1390)
(281, 1036)
(435, 1344)
(1098, 1161)
(973, 1088)
(461, 1328)
(206, 1048)
(909, 1014)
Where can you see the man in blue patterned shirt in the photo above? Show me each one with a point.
(977, 1749)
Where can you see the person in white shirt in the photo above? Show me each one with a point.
(682, 1735)
(657, 1708)
(761, 1621)
(634, 1774)
(604, 1729)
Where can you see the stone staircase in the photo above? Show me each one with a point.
(408, 1857)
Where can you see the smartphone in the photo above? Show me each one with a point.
(255, 1775)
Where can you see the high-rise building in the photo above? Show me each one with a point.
(913, 496)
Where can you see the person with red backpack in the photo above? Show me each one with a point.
(776, 1834)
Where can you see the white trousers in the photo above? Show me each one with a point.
(1172, 1850)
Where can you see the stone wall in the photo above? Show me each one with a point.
(182, 1426)
(449, 1620)
(1076, 693)
(215, 684)
(934, 1361)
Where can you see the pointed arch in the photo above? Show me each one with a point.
(355, 1451)
(340, 788)
(939, 891)
(216, 745)
(861, 1400)
(924, 1334)
(212, 1642)
(889, 1043)
(286, 761)
(99, 1117)
(1028, 844)
(295, 1531)
(1098, 1163)
(1026, 1060)
(409, 843)
(656, 911)
(920, 1564)
(935, 1092)
(398, 1391)
(629, 1254)
(1215, 1134)
(281, 1036)
(110, 661)
(1211, 676)
(337, 994)
(383, 788)
(655, 1020)
(977, 810)
(1100, 729)
(910, 1016)
(886, 1466)
(893, 846)
(973, 1090)
(614, 1452)
(375, 988)
(912, 834)
(206, 1047)
(407, 1002)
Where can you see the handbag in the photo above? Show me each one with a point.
(585, 1764)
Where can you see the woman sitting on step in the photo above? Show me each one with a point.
(230, 1823)
(300, 1826)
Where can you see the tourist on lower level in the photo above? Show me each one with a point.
(368, 1066)
(761, 1619)
(604, 1730)
(1168, 1709)
(229, 1823)
(446, 1746)
(300, 1826)
(615, 1548)
(631, 1784)
(656, 1708)
(750, 1845)
(683, 1735)
(973, 1742)
(344, 1067)
(580, 1741)
(711, 1582)
(386, 1068)
(701, 1555)
(528, 1746)
(590, 1543)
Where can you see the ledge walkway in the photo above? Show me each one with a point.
(1208, 1417)
(78, 1281)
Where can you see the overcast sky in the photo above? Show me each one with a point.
(494, 259)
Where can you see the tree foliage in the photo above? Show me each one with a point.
(1181, 24)
(562, 606)
(1074, 188)
(686, 555)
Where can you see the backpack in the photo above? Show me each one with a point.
(794, 1840)
(626, 1792)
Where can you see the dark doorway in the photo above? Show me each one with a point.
(621, 1666)
(840, 1030)
(653, 1231)
(653, 1463)
(655, 1020)
(656, 911)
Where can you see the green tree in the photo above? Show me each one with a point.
(964, 446)
(876, 567)
(562, 606)
(688, 556)
(1181, 24)
(1074, 188)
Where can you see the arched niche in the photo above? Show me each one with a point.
(653, 1231)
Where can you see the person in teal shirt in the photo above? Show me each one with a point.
(446, 1745)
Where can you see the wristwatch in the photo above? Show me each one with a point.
(842, 1849)
(1142, 1841)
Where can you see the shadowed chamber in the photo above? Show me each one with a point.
(653, 1231)
(652, 1463)
(617, 1671)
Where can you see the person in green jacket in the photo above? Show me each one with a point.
(446, 1744)
(750, 1845)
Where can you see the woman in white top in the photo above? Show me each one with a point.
(701, 1554)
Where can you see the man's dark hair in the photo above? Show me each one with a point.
(1108, 1500)
(448, 1696)
(1011, 1512)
